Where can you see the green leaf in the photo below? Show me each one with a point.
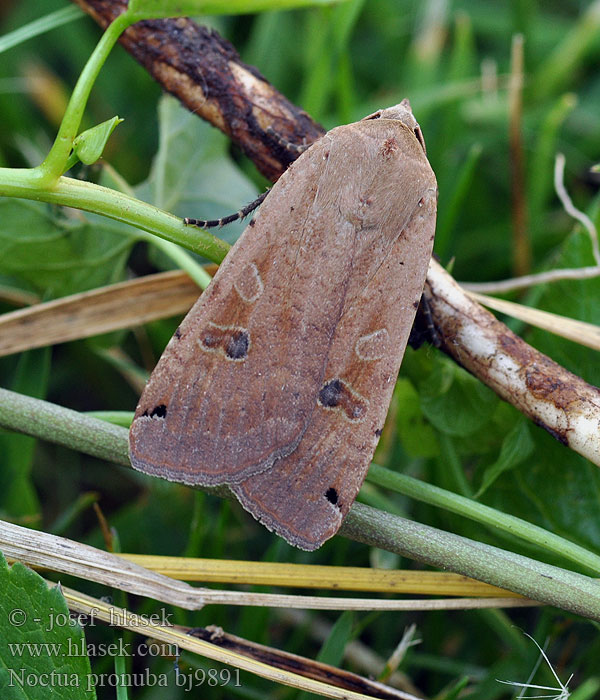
(517, 446)
(17, 492)
(455, 689)
(570, 52)
(575, 299)
(120, 673)
(557, 488)
(56, 256)
(40, 26)
(332, 651)
(541, 165)
(177, 8)
(417, 437)
(193, 173)
(454, 401)
(40, 645)
(89, 145)
(334, 647)
(452, 202)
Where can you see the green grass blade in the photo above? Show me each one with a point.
(40, 26)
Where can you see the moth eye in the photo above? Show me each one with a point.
(237, 347)
(331, 495)
(329, 395)
(159, 411)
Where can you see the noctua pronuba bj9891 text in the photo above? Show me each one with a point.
(279, 379)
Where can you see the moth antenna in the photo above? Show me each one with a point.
(297, 148)
(244, 211)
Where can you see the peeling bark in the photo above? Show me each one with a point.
(555, 399)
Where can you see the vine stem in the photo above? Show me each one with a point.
(55, 162)
(469, 508)
(46, 182)
(542, 582)
(114, 205)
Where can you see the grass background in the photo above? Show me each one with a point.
(339, 64)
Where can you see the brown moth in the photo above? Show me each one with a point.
(279, 379)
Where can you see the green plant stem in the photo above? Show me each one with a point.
(176, 253)
(63, 426)
(115, 205)
(183, 260)
(146, 9)
(549, 584)
(427, 493)
(55, 162)
(45, 183)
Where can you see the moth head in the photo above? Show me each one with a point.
(402, 113)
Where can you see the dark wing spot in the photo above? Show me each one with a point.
(159, 411)
(251, 222)
(330, 393)
(331, 495)
(210, 340)
(177, 333)
(378, 432)
(237, 347)
(336, 394)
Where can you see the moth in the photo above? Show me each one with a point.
(278, 381)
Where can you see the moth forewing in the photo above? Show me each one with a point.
(279, 379)
(305, 497)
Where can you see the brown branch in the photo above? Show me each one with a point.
(555, 399)
(206, 74)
